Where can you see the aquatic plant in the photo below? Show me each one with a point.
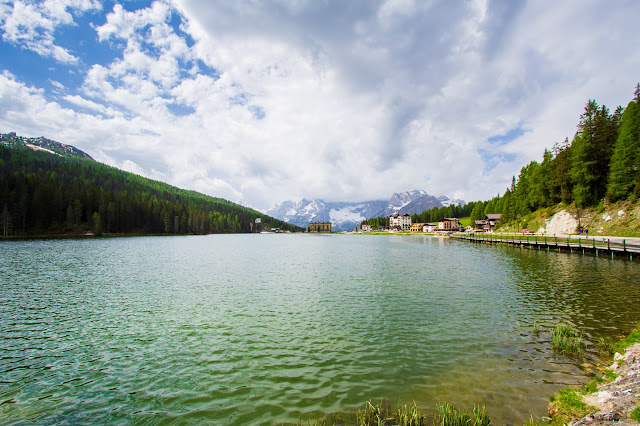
(408, 415)
(605, 346)
(536, 328)
(448, 415)
(565, 339)
(374, 415)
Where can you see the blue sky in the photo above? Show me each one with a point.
(259, 102)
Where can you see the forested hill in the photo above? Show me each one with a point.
(43, 194)
(601, 164)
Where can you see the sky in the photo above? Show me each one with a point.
(264, 101)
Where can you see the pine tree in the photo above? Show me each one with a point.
(592, 148)
(625, 161)
(477, 212)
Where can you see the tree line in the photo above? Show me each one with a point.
(41, 193)
(432, 215)
(601, 162)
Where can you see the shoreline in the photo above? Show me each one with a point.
(610, 399)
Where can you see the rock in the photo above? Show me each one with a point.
(614, 399)
(613, 416)
(620, 213)
(562, 223)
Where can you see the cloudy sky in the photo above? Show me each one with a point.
(263, 101)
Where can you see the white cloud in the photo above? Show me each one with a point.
(266, 102)
(32, 25)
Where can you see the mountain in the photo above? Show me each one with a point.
(346, 216)
(43, 144)
(44, 192)
(343, 216)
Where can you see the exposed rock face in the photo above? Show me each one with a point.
(562, 223)
(617, 399)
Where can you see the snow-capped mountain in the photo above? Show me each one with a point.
(343, 216)
(346, 216)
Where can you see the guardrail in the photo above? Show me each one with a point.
(609, 245)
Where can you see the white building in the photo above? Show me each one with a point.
(400, 221)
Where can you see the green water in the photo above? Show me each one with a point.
(263, 329)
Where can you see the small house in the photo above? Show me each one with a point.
(430, 227)
(417, 227)
(492, 219)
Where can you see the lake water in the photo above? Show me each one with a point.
(263, 329)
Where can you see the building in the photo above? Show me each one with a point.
(417, 227)
(492, 221)
(430, 227)
(449, 224)
(480, 225)
(366, 228)
(320, 227)
(400, 221)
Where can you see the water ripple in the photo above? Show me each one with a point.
(255, 329)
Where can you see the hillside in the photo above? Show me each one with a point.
(46, 193)
(42, 144)
(612, 219)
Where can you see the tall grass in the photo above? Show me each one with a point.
(448, 415)
(566, 339)
(377, 415)
(407, 415)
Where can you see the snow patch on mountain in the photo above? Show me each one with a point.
(346, 214)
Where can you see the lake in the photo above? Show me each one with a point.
(270, 328)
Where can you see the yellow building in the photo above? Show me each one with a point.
(320, 227)
(417, 227)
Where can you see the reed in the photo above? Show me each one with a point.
(565, 339)
(536, 328)
(406, 415)
(448, 415)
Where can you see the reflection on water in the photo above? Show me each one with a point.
(238, 329)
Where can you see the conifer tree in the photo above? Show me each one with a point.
(592, 148)
(625, 161)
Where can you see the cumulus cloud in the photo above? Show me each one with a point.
(32, 25)
(261, 102)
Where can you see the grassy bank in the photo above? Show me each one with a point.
(615, 219)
